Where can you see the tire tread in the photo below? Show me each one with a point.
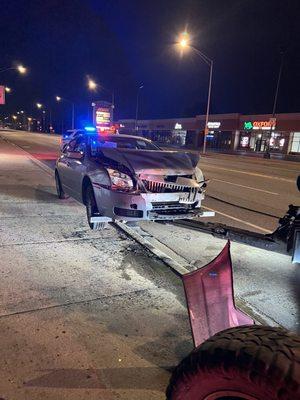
(259, 353)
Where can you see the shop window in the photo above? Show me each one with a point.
(295, 148)
(245, 141)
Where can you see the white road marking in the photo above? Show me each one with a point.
(249, 173)
(247, 187)
(239, 220)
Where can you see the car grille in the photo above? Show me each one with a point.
(172, 205)
(125, 212)
(167, 187)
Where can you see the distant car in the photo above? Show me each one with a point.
(129, 178)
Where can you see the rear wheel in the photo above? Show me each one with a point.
(92, 210)
(60, 192)
(244, 363)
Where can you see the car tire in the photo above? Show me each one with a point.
(248, 362)
(60, 192)
(92, 210)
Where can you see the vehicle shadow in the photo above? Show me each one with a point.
(39, 193)
(138, 378)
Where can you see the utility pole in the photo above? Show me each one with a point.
(267, 152)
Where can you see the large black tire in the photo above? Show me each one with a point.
(248, 362)
(92, 209)
(60, 192)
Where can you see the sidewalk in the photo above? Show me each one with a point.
(80, 310)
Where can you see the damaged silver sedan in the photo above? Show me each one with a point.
(128, 178)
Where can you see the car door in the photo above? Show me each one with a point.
(75, 167)
(63, 166)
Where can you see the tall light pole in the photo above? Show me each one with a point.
(58, 99)
(20, 68)
(137, 107)
(40, 106)
(267, 152)
(184, 43)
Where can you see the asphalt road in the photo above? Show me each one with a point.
(236, 182)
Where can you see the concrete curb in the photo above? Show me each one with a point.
(172, 264)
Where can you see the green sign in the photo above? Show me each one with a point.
(248, 125)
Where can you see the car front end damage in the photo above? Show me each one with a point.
(153, 198)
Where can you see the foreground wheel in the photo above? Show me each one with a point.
(92, 210)
(60, 193)
(244, 363)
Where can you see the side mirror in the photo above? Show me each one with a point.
(298, 183)
(77, 155)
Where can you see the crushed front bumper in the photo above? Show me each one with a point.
(148, 206)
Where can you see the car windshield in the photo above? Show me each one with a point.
(122, 143)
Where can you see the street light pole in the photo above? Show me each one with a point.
(209, 62)
(73, 115)
(267, 152)
(20, 68)
(58, 98)
(137, 107)
(185, 43)
(207, 106)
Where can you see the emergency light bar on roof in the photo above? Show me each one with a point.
(90, 129)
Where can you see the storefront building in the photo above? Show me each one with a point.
(226, 132)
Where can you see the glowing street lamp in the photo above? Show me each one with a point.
(39, 105)
(92, 85)
(58, 98)
(14, 117)
(184, 42)
(21, 69)
(7, 89)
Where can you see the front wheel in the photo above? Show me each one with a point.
(92, 210)
(60, 192)
(243, 363)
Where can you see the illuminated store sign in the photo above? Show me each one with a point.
(264, 125)
(102, 115)
(213, 125)
(178, 126)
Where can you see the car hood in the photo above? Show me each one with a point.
(158, 162)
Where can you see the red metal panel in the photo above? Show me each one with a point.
(210, 298)
(2, 95)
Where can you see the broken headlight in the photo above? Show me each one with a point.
(120, 181)
(200, 177)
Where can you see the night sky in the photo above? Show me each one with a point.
(122, 44)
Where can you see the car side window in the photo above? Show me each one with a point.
(80, 145)
(70, 146)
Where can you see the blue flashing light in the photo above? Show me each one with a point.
(90, 129)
